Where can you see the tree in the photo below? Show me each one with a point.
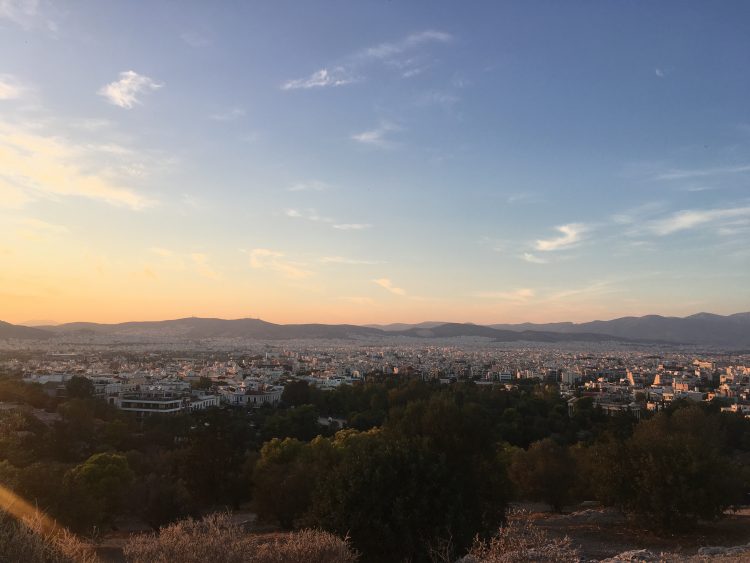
(673, 470)
(202, 383)
(104, 479)
(211, 465)
(296, 393)
(283, 481)
(545, 472)
(161, 499)
(394, 495)
(299, 422)
(79, 387)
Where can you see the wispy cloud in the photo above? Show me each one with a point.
(200, 261)
(230, 114)
(438, 98)
(163, 252)
(533, 259)
(497, 245)
(313, 216)
(692, 218)
(387, 284)
(349, 70)
(393, 49)
(312, 186)
(595, 288)
(684, 174)
(34, 166)
(638, 213)
(348, 261)
(10, 87)
(27, 13)
(352, 226)
(377, 137)
(308, 214)
(34, 229)
(572, 234)
(659, 72)
(518, 295)
(126, 91)
(266, 259)
(195, 39)
(336, 76)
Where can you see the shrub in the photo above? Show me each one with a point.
(217, 538)
(519, 540)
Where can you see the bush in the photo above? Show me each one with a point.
(520, 541)
(216, 538)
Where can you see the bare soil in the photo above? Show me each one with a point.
(603, 533)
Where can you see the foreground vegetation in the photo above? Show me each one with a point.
(421, 468)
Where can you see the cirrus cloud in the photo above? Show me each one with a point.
(572, 234)
(275, 261)
(404, 55)
(387, 284)
(691, 218)
(34, 166)
(518, 295)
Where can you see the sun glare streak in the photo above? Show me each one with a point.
(20, 509)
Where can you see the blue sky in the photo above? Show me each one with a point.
(373, 161)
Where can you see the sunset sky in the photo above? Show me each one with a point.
(373, 161)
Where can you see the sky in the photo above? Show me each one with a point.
(373, 161)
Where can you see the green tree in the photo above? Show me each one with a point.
(296, 393)
(106, 478)
(202, 383)
(545, 472)
(212, 463)
(79, 387)
(673, 471)
(283, 481)
(161, 499)
(299, 422)
(391, 496)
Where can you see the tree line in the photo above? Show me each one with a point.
(418, 464)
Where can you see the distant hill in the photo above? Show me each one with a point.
(451, 330)
(8, 330)
(701, 328)
(405, 326)
(199, 328)
(194, 328)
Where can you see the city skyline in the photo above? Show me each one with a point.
(374, 163)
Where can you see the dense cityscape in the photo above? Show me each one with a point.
(617, 380)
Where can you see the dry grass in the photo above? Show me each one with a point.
(216, 538)
(32, 541)
(519, 540)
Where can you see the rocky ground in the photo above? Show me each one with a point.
(601, 534)
(606, 535)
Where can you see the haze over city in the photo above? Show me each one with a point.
(373, 162)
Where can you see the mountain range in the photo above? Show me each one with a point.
(702, 328)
